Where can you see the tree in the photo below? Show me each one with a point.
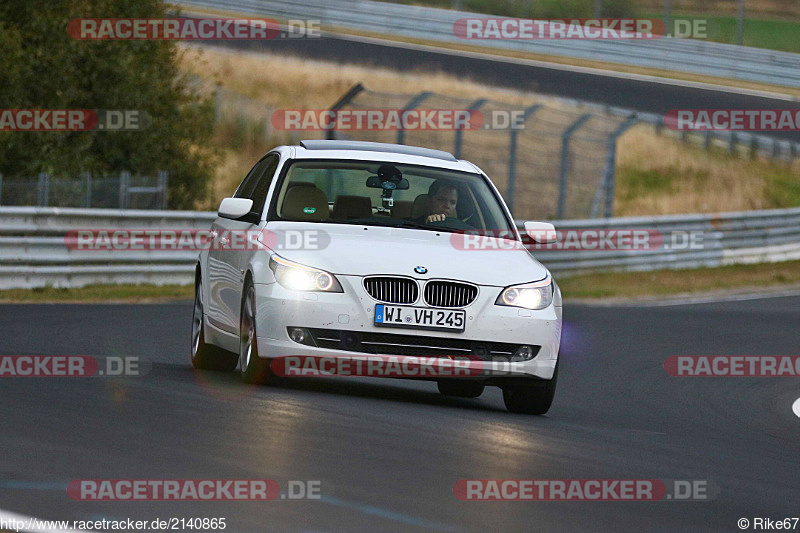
(44, 68)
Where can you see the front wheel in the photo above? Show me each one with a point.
(532, 399)
(253, 369)
(206, 356)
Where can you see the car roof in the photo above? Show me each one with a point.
(372, 151)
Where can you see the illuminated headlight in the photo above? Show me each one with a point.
(537, 295)
(302, 278)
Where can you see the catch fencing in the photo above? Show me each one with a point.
(123, 191)
(33, 252)
(558, 162)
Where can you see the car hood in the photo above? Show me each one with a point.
(366, 250)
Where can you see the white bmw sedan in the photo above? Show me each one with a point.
(357, 251)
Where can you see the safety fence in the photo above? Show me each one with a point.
(123, 191)
(555, 159)
(34, 253)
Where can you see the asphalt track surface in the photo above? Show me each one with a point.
(388, 452)
(620, 91)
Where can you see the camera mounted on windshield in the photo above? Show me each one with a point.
(389, 178)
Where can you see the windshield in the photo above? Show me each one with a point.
(388, 194)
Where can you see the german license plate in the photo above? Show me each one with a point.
(419, 317)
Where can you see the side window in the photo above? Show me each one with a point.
(245, 190)
(256, 185)
(259, 195)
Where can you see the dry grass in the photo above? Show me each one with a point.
(295, 83)
(759, 277)
(660, 175)
(656, 174)
(290, 82)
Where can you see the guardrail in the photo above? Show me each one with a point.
(33, 252)
(433, 24)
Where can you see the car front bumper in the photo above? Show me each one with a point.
(278, 308)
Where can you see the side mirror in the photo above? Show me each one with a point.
(541, 232)
(235, 207)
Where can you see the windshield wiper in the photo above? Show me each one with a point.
(420, 225)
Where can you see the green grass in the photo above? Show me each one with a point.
(783, 190)
(781, 35)
(636, 182)
(530, 9)
(671, 282)
(100, 293)
(760, 32)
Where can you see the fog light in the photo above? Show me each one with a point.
(297, 335)
(523, 353)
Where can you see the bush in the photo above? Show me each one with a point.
(44, 68)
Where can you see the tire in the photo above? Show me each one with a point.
(462, 389)
(253, 369)
(534, 399)
(206, 356)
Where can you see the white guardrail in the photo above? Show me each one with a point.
(33, 251)
(432, 24)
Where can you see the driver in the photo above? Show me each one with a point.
(442, 201)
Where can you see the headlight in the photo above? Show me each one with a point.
(536, 295)
(298, 277)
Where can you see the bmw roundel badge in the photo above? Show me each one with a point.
(421, 270)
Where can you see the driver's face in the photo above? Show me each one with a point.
(444, 202)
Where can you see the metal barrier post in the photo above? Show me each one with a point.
(43, 188)
(562, 179)
(609, 176)
(474, 106)
(88, 176)
(753, 147)
(124, 180)
(340, 103)
(163, 185)
(414, 102)
(512, 156)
